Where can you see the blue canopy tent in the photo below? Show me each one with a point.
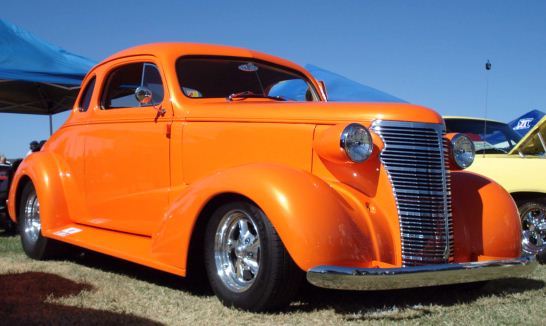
(37, 77)
(526, 122)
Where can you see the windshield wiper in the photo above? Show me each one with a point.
(250, 94)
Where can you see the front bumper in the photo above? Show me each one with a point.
(348, 278)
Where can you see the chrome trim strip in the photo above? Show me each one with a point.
(349, 278)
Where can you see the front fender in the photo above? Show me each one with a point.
(311, 218)
(486, 222)
(49, 180)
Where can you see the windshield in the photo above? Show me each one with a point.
(493, 138)
(224, 77)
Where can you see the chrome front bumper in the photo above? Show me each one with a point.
(347, 278)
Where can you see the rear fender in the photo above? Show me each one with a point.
(311, 218)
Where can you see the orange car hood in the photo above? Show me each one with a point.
(307, 112)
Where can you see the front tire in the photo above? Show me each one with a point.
(533, 226)
(34, 244)
(246, 262)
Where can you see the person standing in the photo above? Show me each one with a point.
(33, 147)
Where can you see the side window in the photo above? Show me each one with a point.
(86, 96)
(122, 83)
(152, 80)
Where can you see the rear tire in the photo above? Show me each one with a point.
(34, 244)
(247, 264)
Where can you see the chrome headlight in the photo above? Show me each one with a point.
(463, 151)
(357, 142)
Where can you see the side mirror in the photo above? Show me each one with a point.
(323, 89)
(143, 95)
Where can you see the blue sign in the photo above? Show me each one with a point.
(526, 122)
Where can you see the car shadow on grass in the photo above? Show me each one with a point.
(196, 285)
(25, 300)
(5, 233)
(353, 305)
(407, 303)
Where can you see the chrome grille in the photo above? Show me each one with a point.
(415, 157)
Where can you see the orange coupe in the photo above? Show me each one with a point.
(186, 156)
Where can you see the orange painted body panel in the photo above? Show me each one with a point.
(486, 220)
(215, 146)
(135, 182)
(312, 219)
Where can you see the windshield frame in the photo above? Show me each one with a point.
(315, 93)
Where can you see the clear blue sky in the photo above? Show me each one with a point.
(427, 52)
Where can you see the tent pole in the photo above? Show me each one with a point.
(50, 125)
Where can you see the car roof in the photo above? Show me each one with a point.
(178, 49)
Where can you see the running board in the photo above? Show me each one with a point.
(131, 247)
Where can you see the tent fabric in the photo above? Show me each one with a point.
(37, 77)
(526, 122)
(342, 89)
(23, 56)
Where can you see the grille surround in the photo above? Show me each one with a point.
(415, 159)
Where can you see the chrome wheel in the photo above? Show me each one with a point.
(237, 250)
(34, 244)
(533, 226)
(31, 218)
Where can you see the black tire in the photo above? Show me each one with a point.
(277, 278)
(533, 216)
(34, 244)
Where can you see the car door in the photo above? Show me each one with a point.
(127, 173)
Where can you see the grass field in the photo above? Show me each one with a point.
(96, 289)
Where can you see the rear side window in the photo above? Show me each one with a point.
(122, 83)
(85, 100)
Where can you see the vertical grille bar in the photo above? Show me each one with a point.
(415, 157)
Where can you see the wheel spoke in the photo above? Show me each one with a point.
(243, 228)
(251, 264)
(231, 234)
(253, 247)
(230, 246)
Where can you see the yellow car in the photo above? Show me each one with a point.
(518, 164)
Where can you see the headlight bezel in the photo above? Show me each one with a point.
(456, 148)
(350, 144)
